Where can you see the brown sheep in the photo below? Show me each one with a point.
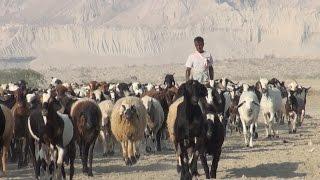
(128, 121)
(86, 117)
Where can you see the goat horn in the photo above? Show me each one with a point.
(256, 103)
(241, 104)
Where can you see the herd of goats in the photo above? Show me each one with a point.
(45, 125)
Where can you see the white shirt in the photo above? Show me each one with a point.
(200, 63)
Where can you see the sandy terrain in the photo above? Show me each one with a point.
(238, 69)
(298, 158)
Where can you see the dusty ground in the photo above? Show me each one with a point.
(241, 69)
(298, 158)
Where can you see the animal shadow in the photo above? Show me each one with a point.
(278, 170)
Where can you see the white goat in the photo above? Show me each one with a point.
(149, 86)
(12, 87)
(249, 112)
(82, 91)
(137, 88)
(154, 123)
(4, 86)
(271, 106)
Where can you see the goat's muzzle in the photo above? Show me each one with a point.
(194, 100)
(44, 112)
(264, 90)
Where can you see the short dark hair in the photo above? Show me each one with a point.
(198, 39)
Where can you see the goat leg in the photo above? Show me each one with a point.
(185, 173)
(90, 158)
(205, 165)
(214, 166)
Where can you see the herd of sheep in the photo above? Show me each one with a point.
(194, 117)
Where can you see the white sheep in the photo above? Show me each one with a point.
(155, 121)
(128, 121)
(271, 106)
(248, 108)
(106, 136)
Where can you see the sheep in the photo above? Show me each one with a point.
(248, 109)
(271, 106)
(105, 133)
(86, 117)
(128, 121)
(156, 114)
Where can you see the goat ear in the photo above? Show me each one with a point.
(258, 86)
(241, 104)
(308, 88)
(183, 89)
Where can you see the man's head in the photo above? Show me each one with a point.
(199, 43)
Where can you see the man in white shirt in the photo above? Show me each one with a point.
(201, 61)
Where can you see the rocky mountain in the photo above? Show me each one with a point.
(159, 29)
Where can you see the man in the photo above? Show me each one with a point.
(201, 61)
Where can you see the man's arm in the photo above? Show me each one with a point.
(188, 72)
(211, 73)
